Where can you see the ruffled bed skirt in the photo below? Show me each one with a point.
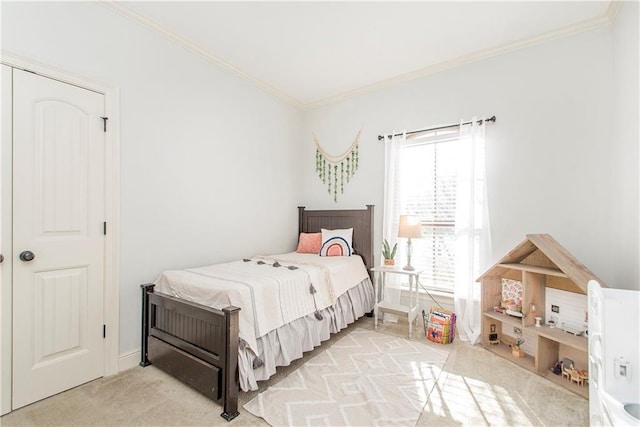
(287, 343)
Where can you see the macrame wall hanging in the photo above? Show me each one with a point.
(328, 167)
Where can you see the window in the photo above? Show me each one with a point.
(429, 191)
(439, 175)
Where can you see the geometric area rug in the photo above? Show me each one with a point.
(365, 378)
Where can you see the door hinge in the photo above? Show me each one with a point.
(104, 331)
(104, 228)
(104, 121)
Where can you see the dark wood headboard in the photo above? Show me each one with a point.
(360, 219)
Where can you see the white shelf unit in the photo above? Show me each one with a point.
(384, 306)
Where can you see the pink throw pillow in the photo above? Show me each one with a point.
(309, 243)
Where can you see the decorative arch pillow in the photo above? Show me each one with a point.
(309, 243)
(337, 242)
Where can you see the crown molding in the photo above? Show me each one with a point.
(591, 24)
(612, 10)
(584, 26)
(125, 11)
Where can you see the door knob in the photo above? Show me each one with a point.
(1, 258)
(27, 256)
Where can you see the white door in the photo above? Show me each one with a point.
(58, 214)
(6, 239)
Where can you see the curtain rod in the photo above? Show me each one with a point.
(490, 119)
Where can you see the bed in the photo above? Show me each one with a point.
(216, 351)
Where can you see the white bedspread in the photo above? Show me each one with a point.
(268, 296)
(345, 271)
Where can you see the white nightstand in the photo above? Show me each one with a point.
(380, 278)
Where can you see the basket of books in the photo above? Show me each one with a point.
(439, 325)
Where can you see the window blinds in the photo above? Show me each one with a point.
(429, 190)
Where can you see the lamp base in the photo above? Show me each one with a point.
(408, 267)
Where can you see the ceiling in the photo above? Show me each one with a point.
(313, 53)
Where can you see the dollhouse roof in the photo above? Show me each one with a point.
(541, 253)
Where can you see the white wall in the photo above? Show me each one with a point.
(200, 148)
(625, 146)
(549, 155)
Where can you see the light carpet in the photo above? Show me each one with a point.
(365, 378)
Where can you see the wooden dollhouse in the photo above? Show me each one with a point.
(538, 263)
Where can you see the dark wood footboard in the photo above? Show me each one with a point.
(199, 345)
(196, 344)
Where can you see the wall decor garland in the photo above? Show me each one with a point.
(329, 168)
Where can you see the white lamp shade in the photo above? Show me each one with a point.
(410, 226)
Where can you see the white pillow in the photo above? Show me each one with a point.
(337, 242)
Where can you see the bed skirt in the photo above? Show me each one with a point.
(287, 343)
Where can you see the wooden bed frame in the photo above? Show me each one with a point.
(199, 344)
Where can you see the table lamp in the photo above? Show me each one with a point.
(410, 227)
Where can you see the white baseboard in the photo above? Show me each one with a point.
(128, 361)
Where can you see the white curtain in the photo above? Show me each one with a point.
(393, 179)
(473, 241)
(392, 188)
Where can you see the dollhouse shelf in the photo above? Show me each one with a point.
(504, 350)
(538, 262)
(504, 318)
(580, 390)
(534, 269)
(553, 334)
